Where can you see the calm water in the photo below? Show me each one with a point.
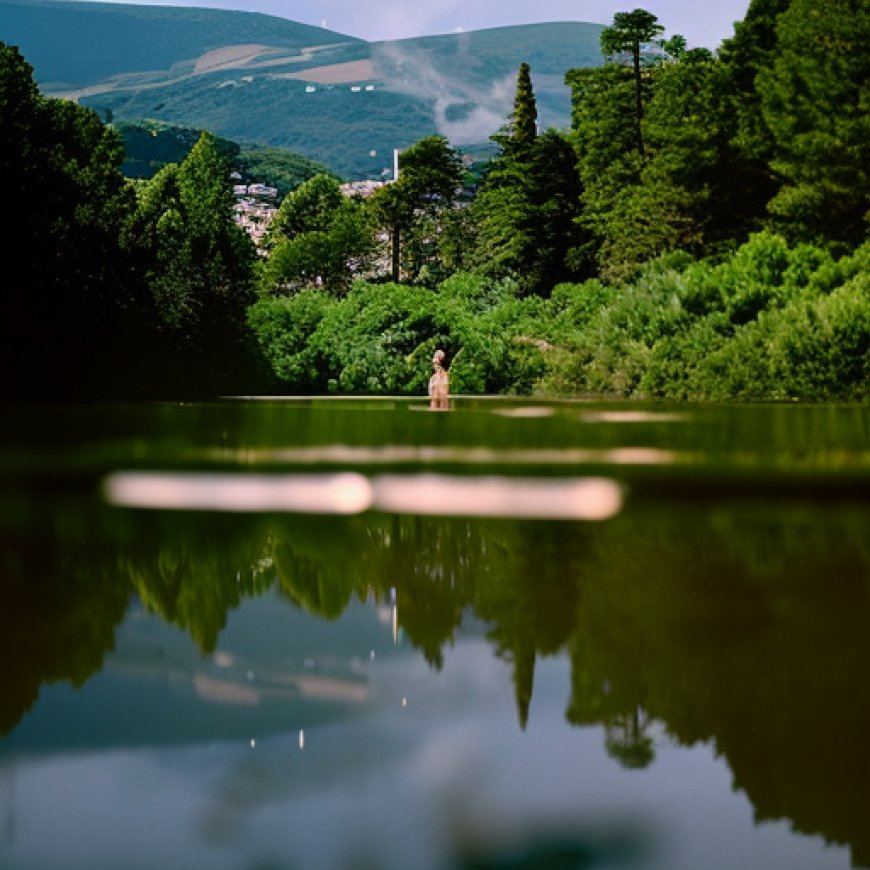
(363, 634)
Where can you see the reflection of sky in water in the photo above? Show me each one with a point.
(432, 767)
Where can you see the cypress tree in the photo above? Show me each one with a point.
(524, 128)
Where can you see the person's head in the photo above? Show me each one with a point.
(438, 358)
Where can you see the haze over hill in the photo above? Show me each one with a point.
(261, 79)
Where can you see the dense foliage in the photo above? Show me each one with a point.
(700, 233)
(769, 322)
(319, 237)
(118, 289)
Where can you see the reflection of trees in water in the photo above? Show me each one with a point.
(193, 571)
(746, 629)
(627, 739)
(60, 606)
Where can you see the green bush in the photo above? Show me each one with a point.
(768, 323)
(284, 327)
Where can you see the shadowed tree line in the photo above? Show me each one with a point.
(120, 287)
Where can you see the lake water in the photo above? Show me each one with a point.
(360, 633)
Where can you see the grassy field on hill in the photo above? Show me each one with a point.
(75, 43)
(259, 79)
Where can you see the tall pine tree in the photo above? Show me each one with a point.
(526, 212)
(628, 33)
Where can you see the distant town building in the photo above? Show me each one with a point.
(254, 210)
(360, 188)
(263, 191)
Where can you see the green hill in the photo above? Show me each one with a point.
(75, 44)
(258, 79)
(149, 146)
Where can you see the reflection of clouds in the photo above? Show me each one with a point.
(224, 691)
(280, 686)
(449, 781)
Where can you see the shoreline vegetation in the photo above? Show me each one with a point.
(699, 234)
(771, 322)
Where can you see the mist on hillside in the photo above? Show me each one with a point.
(466, 112)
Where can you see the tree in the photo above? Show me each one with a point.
(308, 208)
(748, 179)
(69, 315)
(815, 99)
(629, 32)
(223, 254)
(676, 202)
(198, 264)
(526, 215)
(526, 211)
(602, 104)
(524, 120)
(430, 174)
(319, 236)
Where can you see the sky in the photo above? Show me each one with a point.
(703, 22)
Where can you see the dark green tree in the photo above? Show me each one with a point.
(748, 179)
(628, 33)
(308, 208)
(608, 161)
(524, 120)
(815, 99)
(199, 266)
(430, 175)
(526, 215)
(555, 194)
(676, 201)
(319, 237)
(70, 315)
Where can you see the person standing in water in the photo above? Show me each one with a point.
(439, 383)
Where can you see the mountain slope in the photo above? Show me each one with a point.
(255, 78)
(74, 44)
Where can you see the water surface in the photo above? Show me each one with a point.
(359, 633)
